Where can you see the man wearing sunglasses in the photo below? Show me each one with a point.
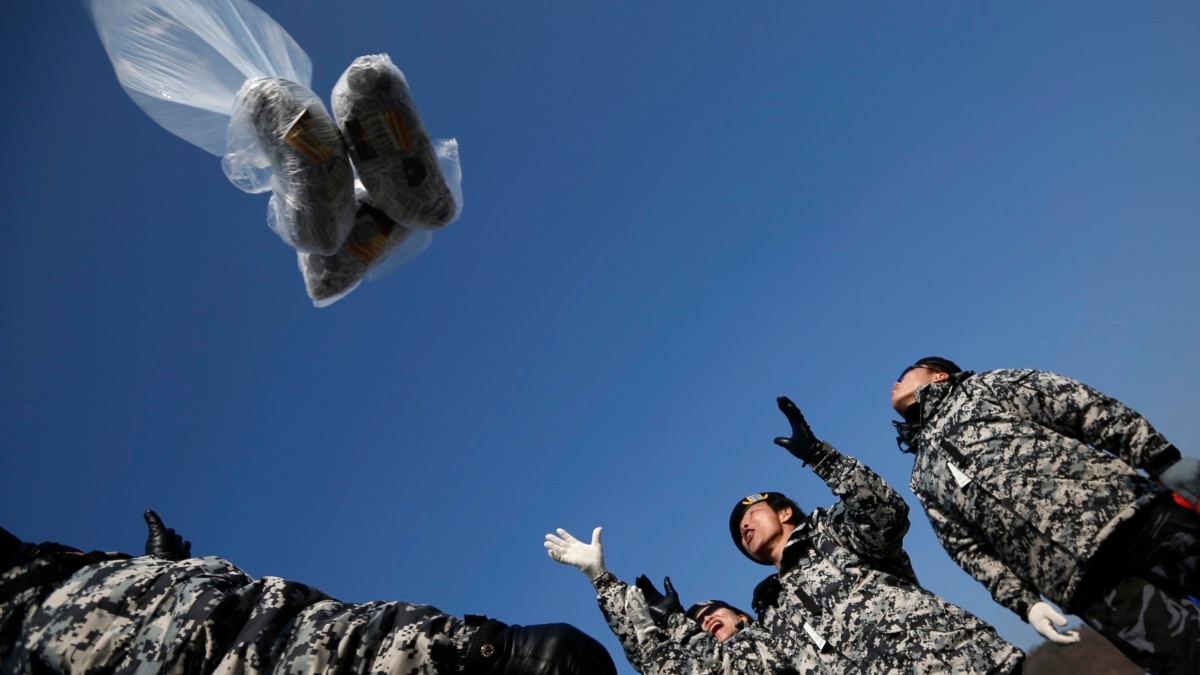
(1030, 480)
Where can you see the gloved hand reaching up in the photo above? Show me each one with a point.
(661, 606)
(1044, 618)
(164, 542)
(568, 550)
(803, 445)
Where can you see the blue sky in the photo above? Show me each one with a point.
(673, 214)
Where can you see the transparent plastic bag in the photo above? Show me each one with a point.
(389, 147)
(192, 65)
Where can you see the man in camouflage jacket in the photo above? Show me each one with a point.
(845, 582)
(64, 611)
(659, 639)
(1030, 481)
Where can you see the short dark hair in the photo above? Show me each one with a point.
(938, 364)
(934, 363)
(776, 500)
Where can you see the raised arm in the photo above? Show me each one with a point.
(874, 515)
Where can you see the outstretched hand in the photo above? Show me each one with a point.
(802, 444)
(568, 550)
(661, 606)
(164, 542)
(1044, 618)
(641, 614)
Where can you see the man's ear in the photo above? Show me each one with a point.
(785, 514)
(940, 377)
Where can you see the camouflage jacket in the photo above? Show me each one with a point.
(111, 613)
(847, 585)
(1023, 475)
(683, 648)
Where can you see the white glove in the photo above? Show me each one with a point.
(568, 550)
(1183, 477)
(638, 612)
(1043, 618)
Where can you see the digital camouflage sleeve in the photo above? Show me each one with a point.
(684, 649)
(112, 613)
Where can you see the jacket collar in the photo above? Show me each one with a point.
(929, 398)
(796, 544)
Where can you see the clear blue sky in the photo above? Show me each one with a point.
(673, 214)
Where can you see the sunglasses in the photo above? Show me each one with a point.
(912, 368)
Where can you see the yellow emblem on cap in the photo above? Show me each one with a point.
(754, 499)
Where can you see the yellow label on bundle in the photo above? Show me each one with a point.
(304, 137)
(368, 250)
(397, 129)
(370, 234)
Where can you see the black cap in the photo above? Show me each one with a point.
(698, 611)
(776, 500)
(933, 363)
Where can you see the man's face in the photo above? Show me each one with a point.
(762, 528)
(721, 622)
(904, 392)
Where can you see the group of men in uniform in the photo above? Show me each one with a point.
(1030, 480)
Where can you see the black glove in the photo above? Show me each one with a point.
(803, 445)
(541, 649)
(661, 606)
(163, 542)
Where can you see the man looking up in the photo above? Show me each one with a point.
(1030, 481)
(845, 583)
(718, 618)
(658, 638)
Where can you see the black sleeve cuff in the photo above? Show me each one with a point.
(1163, 460)
(1022, 610)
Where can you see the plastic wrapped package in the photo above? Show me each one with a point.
(377, 245)
(375, 238)
(281, 135)
(388, 144)
(185, 62)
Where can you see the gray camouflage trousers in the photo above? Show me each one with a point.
(1143, 595)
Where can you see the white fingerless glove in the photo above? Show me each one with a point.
(568, 550)
(1044, 618)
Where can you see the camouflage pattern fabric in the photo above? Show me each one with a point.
(204, 615)
(847, 586)
(1023, 475)
(683, 648)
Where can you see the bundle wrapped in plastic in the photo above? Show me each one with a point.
(388, 145)
(375, 237)
(312, 184)
(185, 62)
(378, 244)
